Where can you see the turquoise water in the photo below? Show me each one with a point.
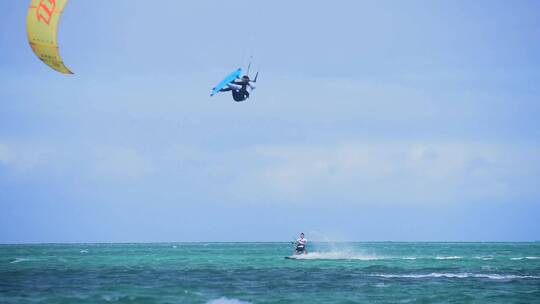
(258, 273)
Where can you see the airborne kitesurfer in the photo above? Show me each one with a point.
(241, 87)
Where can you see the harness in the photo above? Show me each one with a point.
(300, 247)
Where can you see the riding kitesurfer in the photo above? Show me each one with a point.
(301, 245)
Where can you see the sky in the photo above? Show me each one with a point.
(371, 121)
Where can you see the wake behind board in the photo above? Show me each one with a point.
(232, 76)
(296, 257)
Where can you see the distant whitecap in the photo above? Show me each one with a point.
(224, 300)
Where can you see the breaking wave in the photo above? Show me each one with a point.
(19, 260)
(350, 255)
(525, 258)
(336, 255)
(224, 300)
(484, 258)
(458, 276)
(448, 257)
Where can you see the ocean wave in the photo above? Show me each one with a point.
(224, 300)
(336, 255)
(448, 257)
(347, 255)
(458, 276)
(525, 258)
(19, 260)
(484, 258)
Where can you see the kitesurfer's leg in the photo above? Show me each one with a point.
(225, 90)
(235, 87)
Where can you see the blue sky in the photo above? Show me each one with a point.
(372, 120)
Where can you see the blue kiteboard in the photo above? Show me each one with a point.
(230, 78)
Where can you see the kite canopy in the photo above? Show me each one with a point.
(41, 26)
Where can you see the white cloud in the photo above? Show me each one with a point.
(347, 172)
(65, 161)
(6, 155)
(24, 157)
(389, 172)
(120, 163)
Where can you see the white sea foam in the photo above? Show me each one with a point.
(350, 255)
(84, 251)
(336, 255)
(458, 275)
(448, 257)
(484, 258)
(525, 258)
(110, 298)
(381, 285)
(18, 260)
(224, 300)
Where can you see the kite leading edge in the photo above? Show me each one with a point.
(41, 26)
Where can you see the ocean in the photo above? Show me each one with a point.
(222, 273)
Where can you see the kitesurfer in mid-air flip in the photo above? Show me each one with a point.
(301, 245)
(239, 88)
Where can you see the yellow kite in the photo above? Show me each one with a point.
(41, 26)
